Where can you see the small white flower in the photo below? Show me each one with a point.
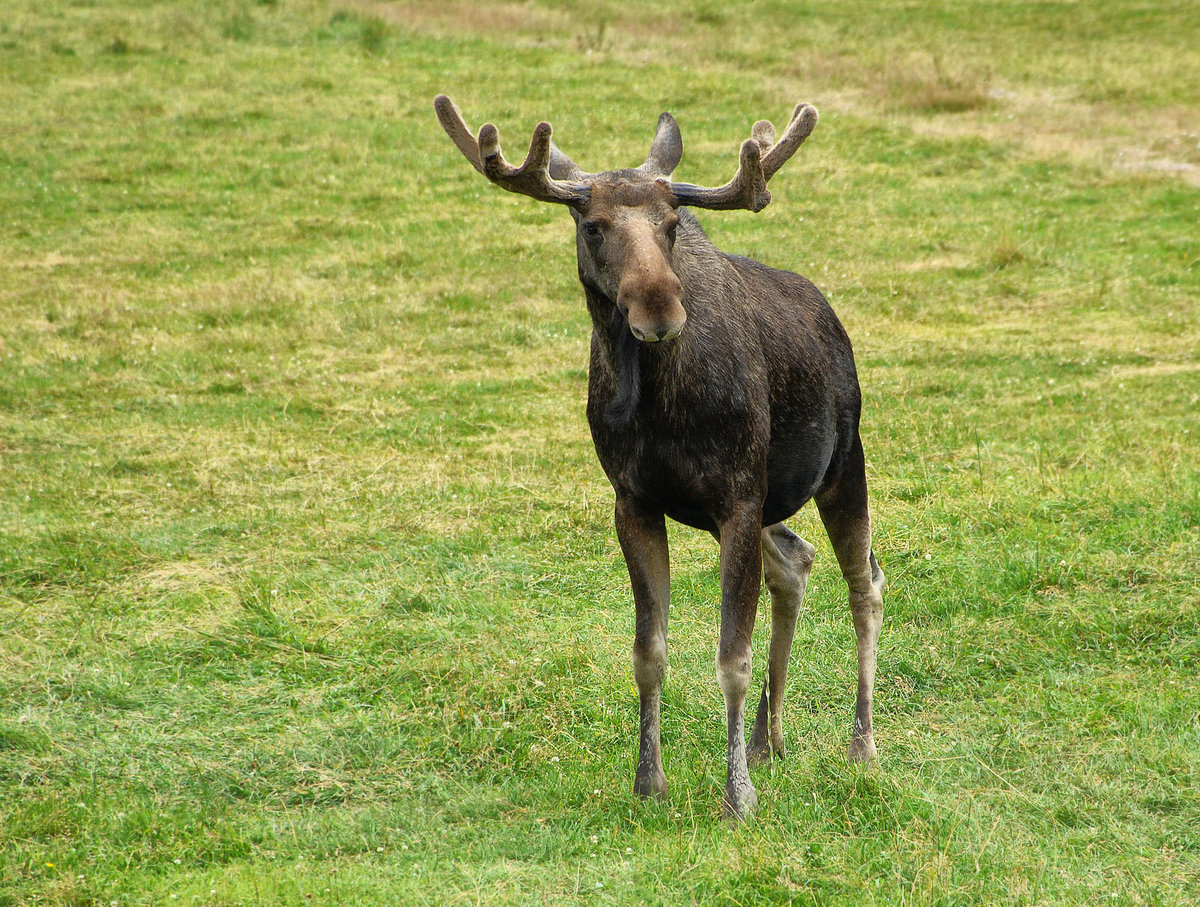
(595, 839)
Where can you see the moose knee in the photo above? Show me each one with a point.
(733, 674)
(649, 662)
(799, 553)
(867, 610)
(867, 604)
(787, 562)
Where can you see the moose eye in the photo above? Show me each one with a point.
(592, 231)
(672, 229)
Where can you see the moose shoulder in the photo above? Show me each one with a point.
(722, 393)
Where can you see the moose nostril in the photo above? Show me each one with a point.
(674, 330)
(645, 336)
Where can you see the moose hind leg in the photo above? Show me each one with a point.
(844, 511)
(787, 562)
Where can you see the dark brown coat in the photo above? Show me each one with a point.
(723, 394)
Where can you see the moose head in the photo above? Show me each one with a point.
(626, 220)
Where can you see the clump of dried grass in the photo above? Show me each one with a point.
(933, 88)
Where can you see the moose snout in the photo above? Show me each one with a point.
(654, 313)
(665, 333)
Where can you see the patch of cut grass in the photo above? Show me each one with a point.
(308, 585)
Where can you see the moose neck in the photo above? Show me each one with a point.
(637, 368)
(620, 353)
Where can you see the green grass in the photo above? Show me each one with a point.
(308, 586)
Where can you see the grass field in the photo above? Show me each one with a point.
(308, 586)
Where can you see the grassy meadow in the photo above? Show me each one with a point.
(308, 586)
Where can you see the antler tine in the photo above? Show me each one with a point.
(532, 178)
(456, 127)
(804, 120)
(747, 189)
(761, 157)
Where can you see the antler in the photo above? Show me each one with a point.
(533, 177)
(760, 159)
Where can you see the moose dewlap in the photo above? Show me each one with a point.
(721, 393)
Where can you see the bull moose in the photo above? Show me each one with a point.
(721, 393)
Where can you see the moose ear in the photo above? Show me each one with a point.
(666, 151)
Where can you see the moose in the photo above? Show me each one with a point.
(723, 394)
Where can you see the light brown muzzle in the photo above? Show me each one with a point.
(651, 298)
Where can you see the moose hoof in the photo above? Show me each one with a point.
(651, 785)
(739, 805)
(761, 753)
(862, 749)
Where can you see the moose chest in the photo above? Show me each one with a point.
(695, 442)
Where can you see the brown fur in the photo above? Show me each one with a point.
(722, 393)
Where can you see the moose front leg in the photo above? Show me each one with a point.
(643, 538)
(741, 572)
